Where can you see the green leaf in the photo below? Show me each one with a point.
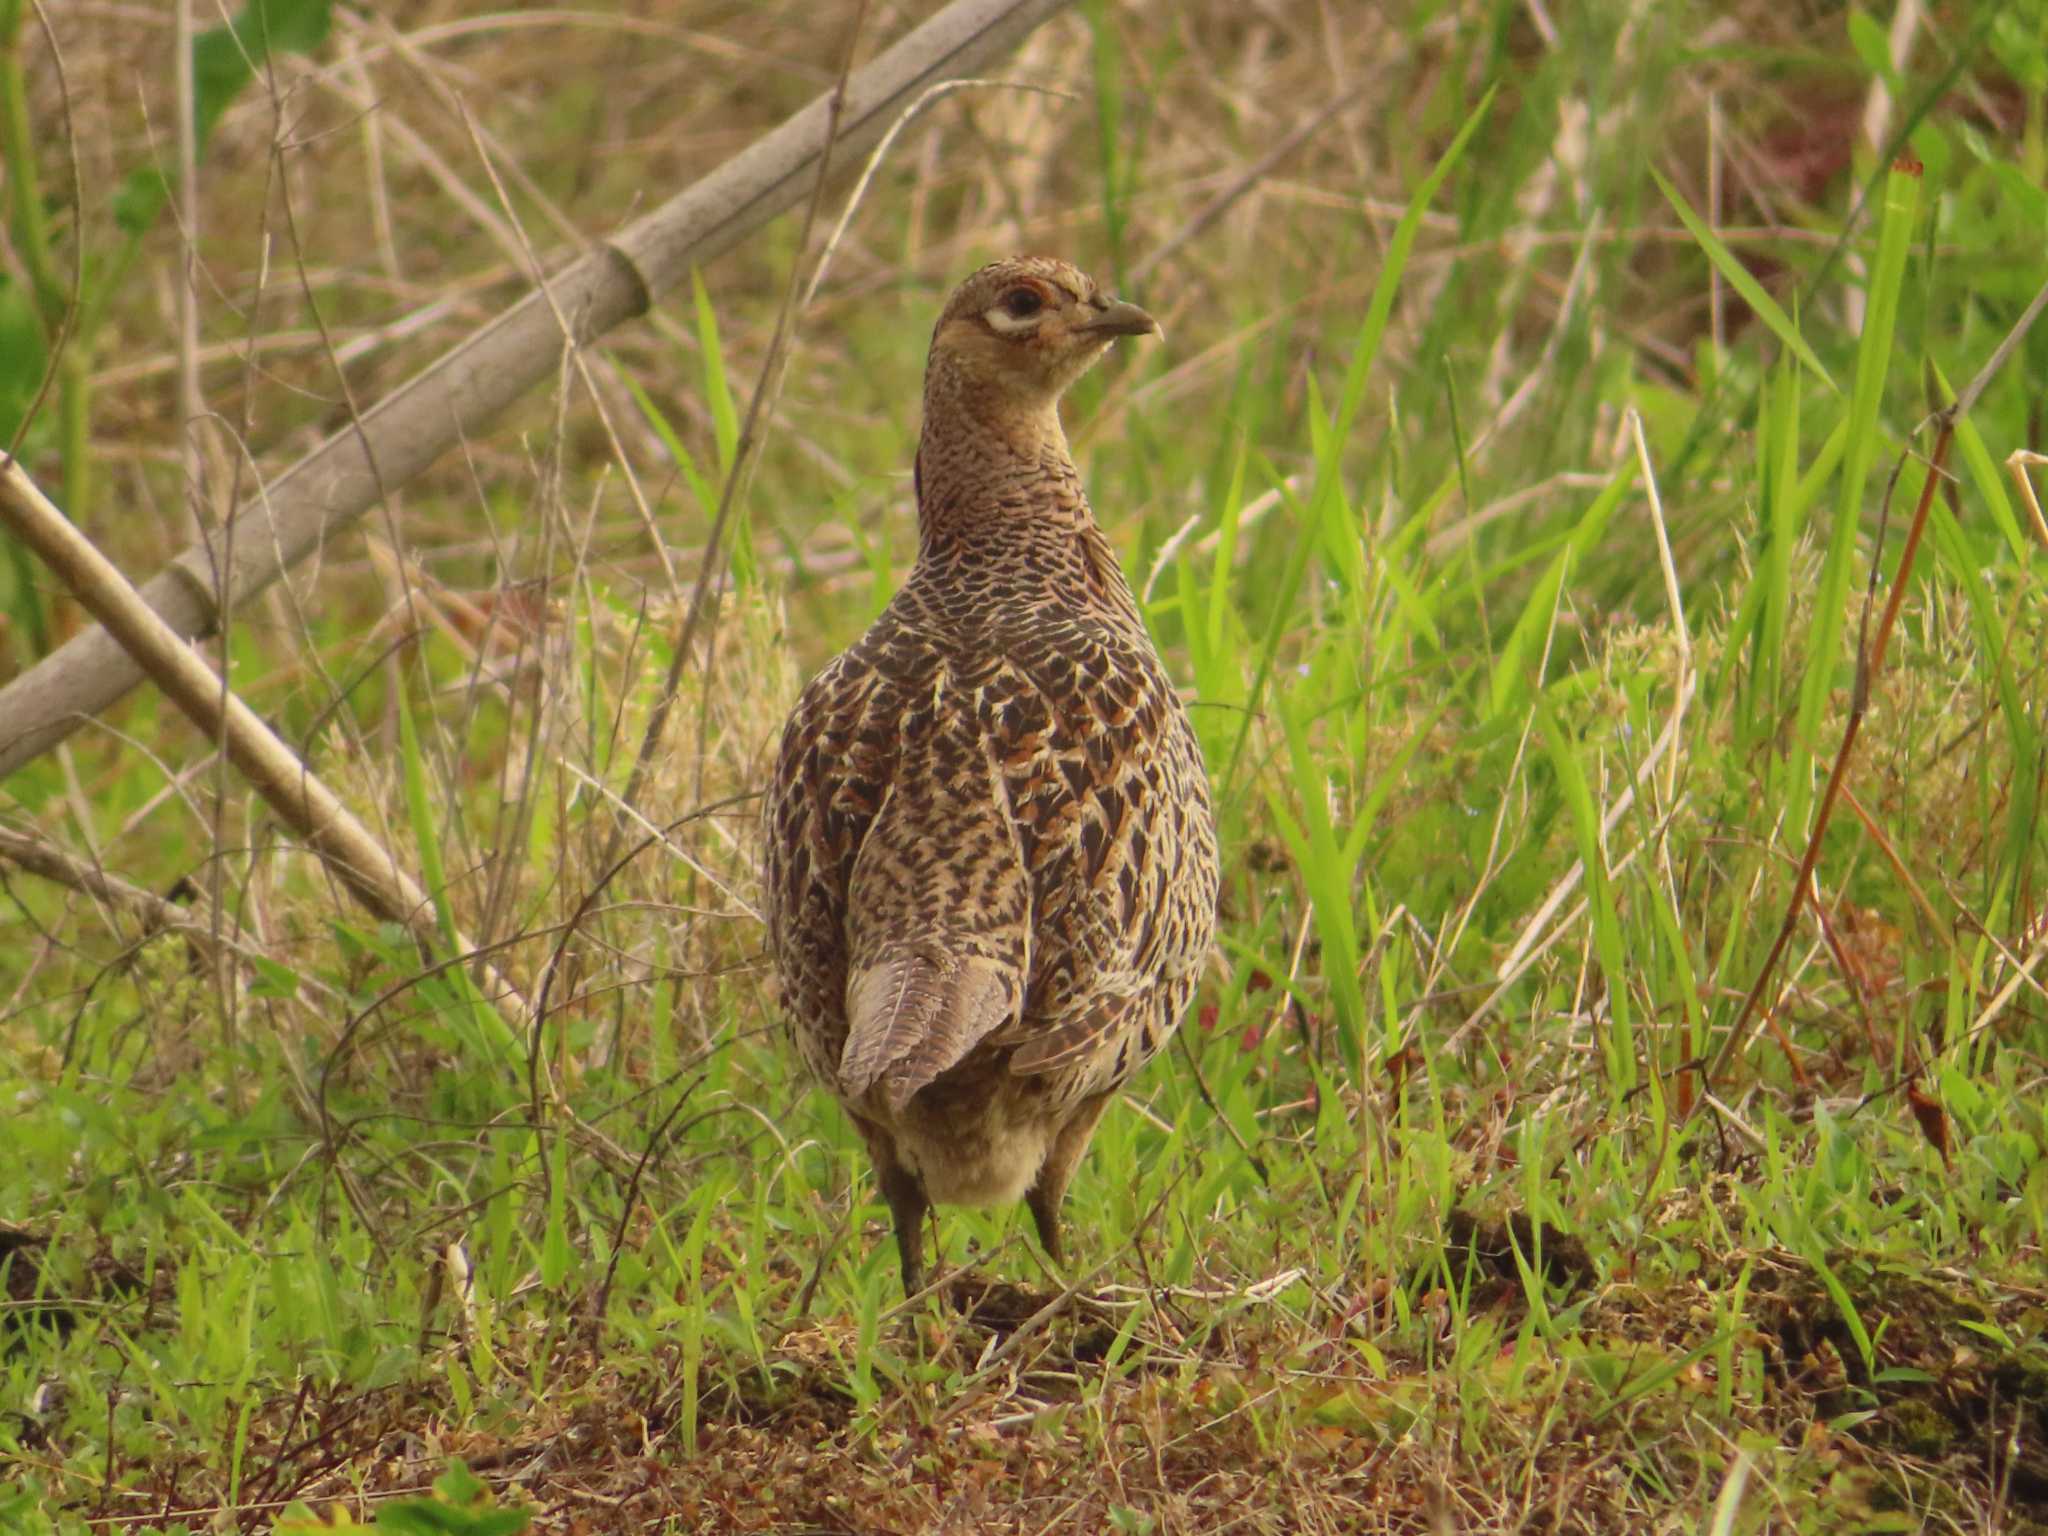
(426, 825)
(272, 979)
(725, 415)
(556, 1256)
(459, 1485)
(1844, 1304)
(1514, 674)
(1328, 471)
(1984, 476)
(725, 427)
(225, 59)
(1872, 47)
(141, 198)
(22, 361)
(1607, 936)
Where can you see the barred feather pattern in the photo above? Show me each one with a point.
(990, 858)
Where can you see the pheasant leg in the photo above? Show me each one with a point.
(909, 1206)
(1061, 1159)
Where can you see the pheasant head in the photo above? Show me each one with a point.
(1010, 341)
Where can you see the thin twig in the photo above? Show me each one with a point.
(1241, 184)
(745, 452)
(467, 386)
(43, 858)
(881, 152)
(74, 298)
(191, 402)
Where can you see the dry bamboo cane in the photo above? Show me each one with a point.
(312, 810)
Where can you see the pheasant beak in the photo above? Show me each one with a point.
(1121, 319)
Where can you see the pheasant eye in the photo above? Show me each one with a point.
(1023, 303)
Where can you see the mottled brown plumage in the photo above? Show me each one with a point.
(990, 858)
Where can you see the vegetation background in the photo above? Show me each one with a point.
(1544, 406)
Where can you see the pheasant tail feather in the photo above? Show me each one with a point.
(915, 1012)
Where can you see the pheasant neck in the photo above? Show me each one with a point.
(1000, 504)
(988, 478)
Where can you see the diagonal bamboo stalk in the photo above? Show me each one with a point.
(312, 810)
(458, 394)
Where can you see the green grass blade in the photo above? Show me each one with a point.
(1740, 279)
(725, 428)
(1985, 478)
(1513, 677)
(1607, 936)
(424, 813)
(1328, 484)
(1860, 450)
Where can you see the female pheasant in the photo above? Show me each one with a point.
(990, 859)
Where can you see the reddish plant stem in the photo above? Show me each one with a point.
(1868, 666)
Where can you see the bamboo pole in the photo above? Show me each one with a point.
(308, 806)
